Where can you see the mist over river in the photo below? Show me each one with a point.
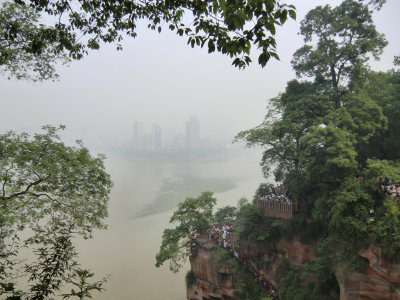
(143, 198)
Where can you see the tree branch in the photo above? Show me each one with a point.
(26, 191)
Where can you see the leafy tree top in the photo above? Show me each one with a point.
(56, 191)
(42, 177)
(330, 140)
(228, 27)
(28, 49)
(192, 216)
(343, 36)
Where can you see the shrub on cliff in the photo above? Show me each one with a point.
(252, 225)
(190, 278)
(192, 216)
(225, 214)
(244, 284)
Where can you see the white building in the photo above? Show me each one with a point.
(192, 137)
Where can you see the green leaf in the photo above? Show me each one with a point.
(211, 46)
(292, 14)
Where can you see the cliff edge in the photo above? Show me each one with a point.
(216, 280)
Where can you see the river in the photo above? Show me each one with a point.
(142, 200)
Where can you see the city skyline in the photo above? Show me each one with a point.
(192, 134)
(153, 138)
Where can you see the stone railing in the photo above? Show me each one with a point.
(277, 209)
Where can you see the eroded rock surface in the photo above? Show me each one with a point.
(380, 281)
(212, 281)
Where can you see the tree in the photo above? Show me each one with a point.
(345, 37)
(384, 89)
(193, 216)
(80, 281)
(55, 192)
(229, 27)
(252, 225)
(28, 49)
(330, 119)
(330, 141)
(377, 4)
(225, 214)
(289, 118)
(262, 190)
(55, 259)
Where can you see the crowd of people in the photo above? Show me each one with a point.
(390, 188)
(279, 194)
(220, 235)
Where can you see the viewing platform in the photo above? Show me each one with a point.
(277, 209)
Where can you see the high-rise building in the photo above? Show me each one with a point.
(178, 143)
(157, 141)
(137, 136)
(147, 142)
(192, 137)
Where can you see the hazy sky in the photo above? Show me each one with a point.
(158, 79)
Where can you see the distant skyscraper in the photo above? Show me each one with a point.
(179, 142)
(192, 134)
(147, 142)
(157, 137)
(137, 136)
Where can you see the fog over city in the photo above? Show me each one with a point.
(153, 95)
(157, 78)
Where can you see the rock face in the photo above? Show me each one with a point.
(212, 282)
(293, 251)
(380, 281)
(215, 282)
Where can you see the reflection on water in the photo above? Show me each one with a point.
(151, 190)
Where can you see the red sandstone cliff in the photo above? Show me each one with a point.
(212, 281)
(380, 281)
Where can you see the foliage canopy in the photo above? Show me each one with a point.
(192, 216)
(228, 27)
(50, 193)
(28, 49)
(333, 140)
